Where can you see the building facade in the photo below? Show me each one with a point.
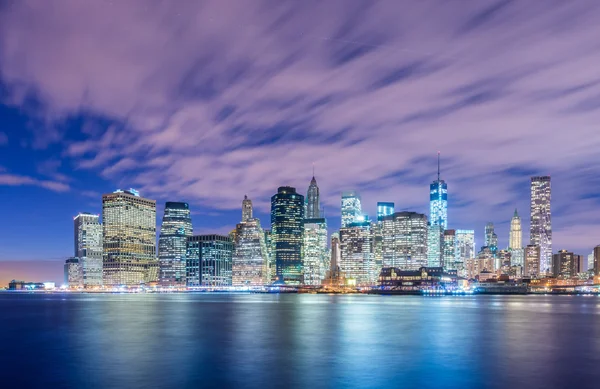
(449, 250)
(287, 233)
(565, 264)
(247, 212)
(515, 240)
(435, 239)
(384, 209)
(356, 258)
(209, 261)
(73, 273)
(491, 239)
(405, 240)
(540, 232)
(175, 229)
(438, 201)
(351, 208)
(313, 209)
(88, 247)
(532, 261)
(250, 257)
(596, 266)
(465, 247)
(316, 255)
(129, 239)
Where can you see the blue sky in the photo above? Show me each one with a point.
(207, 101)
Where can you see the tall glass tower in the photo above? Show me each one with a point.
(384, 209)
(351, 208)
(250, 256)
(438, 201)
(88, 247)
(540, 232)
(129, 238)
(316, 255)
(287, 234)
(313, 210)
(175, 229)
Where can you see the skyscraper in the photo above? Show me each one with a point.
(287, 229)
(596, 261)
(516, 234)
(491, 239)
(270, 256)
(449, 254)
(384, 209)
(351, 208)
(356, 255)
(73, 273)
(405, 240)
(334, 276)
(313, 210)
(540, 232)
(565, 264)
(250, 257)
(438, 201)
(88, 247)
(465, 247)
(208, 260)
(175, 229)
(435, 238)
(246, 209)
(129, 238)
(532, 261)
(316, 256)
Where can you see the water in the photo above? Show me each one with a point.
(298, 341)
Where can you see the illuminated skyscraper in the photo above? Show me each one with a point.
(356, 255)
(246, 209)
(129, 238)
(313, 210)
(73, 273)
(405, 240)
(449, 253)
(532, 261)
(334, 276)
(287, 229)
(351, 208)
(316, 255)
(270, 256)
(175, 229)
(88, 247)
(565, 264)
(465, 246)
(596, 266)
(516, 233)
(491, 239)
(208, 260)
(384, 209)
(540, 232)
(435, 238)
(438, 201)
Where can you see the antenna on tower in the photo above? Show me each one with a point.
(438, 165)
(313, 165)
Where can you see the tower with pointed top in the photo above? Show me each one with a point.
(516, 233)
(246, 209)
(312, 200)
(438, 201)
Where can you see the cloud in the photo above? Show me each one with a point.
(208, 102)
(18, 180)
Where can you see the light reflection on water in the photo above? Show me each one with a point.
(303, 341)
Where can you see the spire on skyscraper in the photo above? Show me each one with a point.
(313, 199)
(438, 165)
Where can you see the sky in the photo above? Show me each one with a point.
(205, 102)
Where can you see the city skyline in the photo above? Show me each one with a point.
(206, 122)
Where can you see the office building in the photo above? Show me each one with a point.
(486, 260)
(532, 261)
(384, 209)
(565, 264)
(351, 208)
(313, 210)
(435, 240)
(73, 273)
(465, 247)
(438, 201)
(287, 229)
(129, 238)
(316, 255)
(209, 261)
(405, 240)
(246, 209)
(175, 229)
(88, 248)
(356, 258)
(449, 250)
(334, 276)
(270, 256)
(596, 261)
(250, 265)
(377, 245)
(491, 239)
(540, 232)
(516, 234)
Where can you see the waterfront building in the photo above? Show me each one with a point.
(270, 256)
(532, 261)
(351, 208)
(438, 201)
(377, 245)
(517, 257)
(449, 251)
(316, 255)
(405, 240)
(287, 229)
(465, 248)
(209, 261)
(384, 209)
(435, 239)
(246, 209)
(313, 210)
(424, 278)
(516, 233)
(356, 259)
(73, 273)
(503, 261)
(175, 229)
(590, 261)
(129, 238)
(88, 247)
(486, 259)
(565, 264)
(540, 232)
(596, 261)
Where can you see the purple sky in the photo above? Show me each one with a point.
(208, 101)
